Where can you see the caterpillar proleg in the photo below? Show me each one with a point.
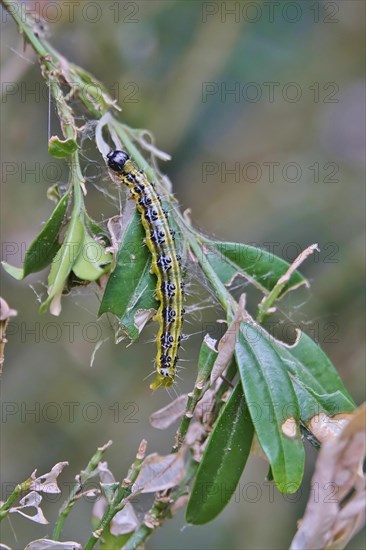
(165, 264)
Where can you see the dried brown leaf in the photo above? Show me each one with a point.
(124, 521)
(194, 433)
(31, 500)
(166, 416)
(47, 483)
(47, 544)
(331, 521)
(105, 475)
(5, 313)
(143, 316)
(227, 343)
(326, 427)
(159, 473)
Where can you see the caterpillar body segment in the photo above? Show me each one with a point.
(165, 264)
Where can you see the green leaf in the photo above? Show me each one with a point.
(65, 259)
(15, 272)
(131, 286)
(316, 382)
(271, 401)
(95, 228)
(223, 461)
(61, 148)
(111, 542)
(92, 257)
(207, 358)
(45, 246)
(260, 267)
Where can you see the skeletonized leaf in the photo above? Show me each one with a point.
(166, 416)
(160, 472)
(5, 314)
(105, 474)
(338, 512)
(31, 500)
(48, 544)
(325, 427)
(5, 311)
(124, 521)
(228, 342)
(47, 483)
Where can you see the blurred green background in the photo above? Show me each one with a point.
(261, 106)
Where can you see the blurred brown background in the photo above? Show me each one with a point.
(261, 106)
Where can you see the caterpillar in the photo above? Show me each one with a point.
(165, 264)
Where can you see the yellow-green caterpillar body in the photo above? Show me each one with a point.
(165, 264)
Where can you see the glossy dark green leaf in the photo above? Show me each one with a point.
(260, 267)
(44, 247)
(272, 403)
(223, 461)
(131, 286)
(61, 148)
(316, 382)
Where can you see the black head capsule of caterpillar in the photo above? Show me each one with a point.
(116, 160)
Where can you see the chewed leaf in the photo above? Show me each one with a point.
(6, 312)
(92, 260)
(326, 428)
(47, 483)
(31, 500)
(271, 401)
(143, 316)
(166, 416)
(331, 522)
(260, 267)
(316, 382)
(159, 473)
(228, 341)
(44, 247)
(61, 148)
(223, 461)
(105, 475)
(131, 286)
(124, 521)
(64, 260)
(48, 544)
